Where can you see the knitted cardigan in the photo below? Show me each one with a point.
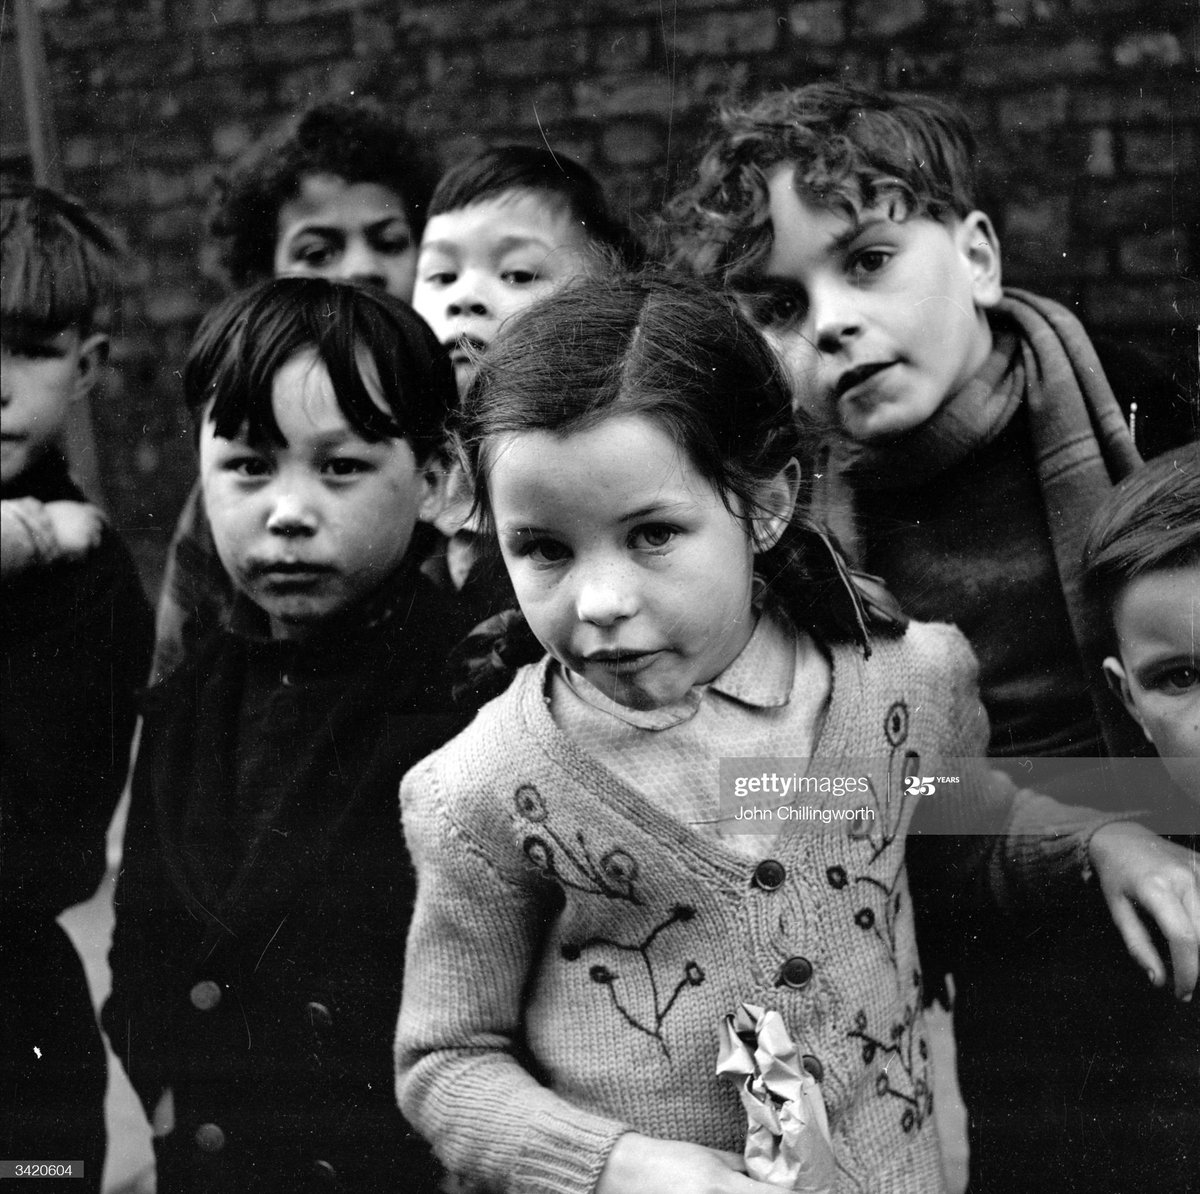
(574, 949)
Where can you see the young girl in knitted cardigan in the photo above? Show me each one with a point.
(589, 907)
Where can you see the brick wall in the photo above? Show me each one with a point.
(1088, 109)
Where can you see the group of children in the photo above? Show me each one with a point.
(697, 491)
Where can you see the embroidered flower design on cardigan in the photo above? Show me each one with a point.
(911, 1051)
(623, 989)
(881, 915)
(891, 805)
(572, 863)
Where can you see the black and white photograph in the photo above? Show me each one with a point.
(601, 597)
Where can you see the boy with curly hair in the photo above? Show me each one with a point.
(972, 430)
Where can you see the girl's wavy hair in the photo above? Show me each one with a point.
(244, 341)
(1150, 523)
(671, 350)
(58, 264)
(355, 139)
(852, 150)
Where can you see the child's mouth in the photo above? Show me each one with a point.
(463, 348)
(859, 375)
(289, 572)
(621, 663)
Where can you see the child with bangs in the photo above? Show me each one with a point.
(341, 193)
(76, 631)
(972, 430)
(265, 889)
(506, 228)
(589, 908)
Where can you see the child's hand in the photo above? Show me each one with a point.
(77, 528)
(643, 1165)
(1138, 869)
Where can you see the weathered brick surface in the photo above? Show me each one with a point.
(1087, 115)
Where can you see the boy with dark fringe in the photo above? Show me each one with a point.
(265, 889)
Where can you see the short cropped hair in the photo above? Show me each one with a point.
(58, 264)
(249, 337)
(1150, 523)
(507, 168)
(356, 140)
(852, 150)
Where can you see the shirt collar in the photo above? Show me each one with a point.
(761, 676)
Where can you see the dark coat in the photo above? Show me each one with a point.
(264, 901)
(76, 639)
(1077, 1075)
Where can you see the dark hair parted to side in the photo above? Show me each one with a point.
(355, 139)
(58, 263)
(249, 337)
(852, 150)
(507, 168)
(681, 355)
(1150, 523)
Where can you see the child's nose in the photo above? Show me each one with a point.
(360, 263)
(291, 514)
(467, 297)
(835, 317)
(605, 596)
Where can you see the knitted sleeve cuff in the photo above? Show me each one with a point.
(567, 1153)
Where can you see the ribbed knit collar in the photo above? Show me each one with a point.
(966, 421)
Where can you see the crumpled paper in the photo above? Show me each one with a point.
(787, 1136)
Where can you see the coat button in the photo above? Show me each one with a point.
(205, 995)
(813, 1066)
(319, 1016)
(769, 874)
(210, 1138)
(797, 972)
(325, 1173)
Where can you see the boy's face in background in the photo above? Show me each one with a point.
(347, 231)
(40, 376)
(1157, 622)
(485, 262)
(878, 321)
(308, 529)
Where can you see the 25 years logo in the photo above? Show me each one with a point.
(926, 785)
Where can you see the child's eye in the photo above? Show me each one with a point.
(870, 261)
(520, 277)
(314, 255)
(346, 466)
(438, 278)
(247, 466)
(540, 549)
(652, 536)
(394, 245)
(1177, 679)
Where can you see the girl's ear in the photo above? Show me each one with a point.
(93, 354)
(978, 243)
(774, 506)
(1118, 681)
